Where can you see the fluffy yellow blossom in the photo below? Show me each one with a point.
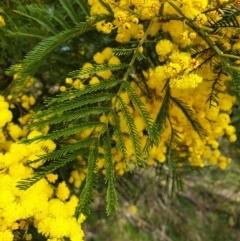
(186, 81)
(24, 119)
(86, 66)
(52, 177)
(99, 58)
(104, 27)
(6, 235)
(71, 205)
(105, 74)
(114, 60)
(164, 47)
(150, 9)
(2, 136)
(175, 28)
(63, 88)
(4, 104)
(14, 130)
(94, 80)
(172, 69)
(6, 116)
(77, 177)
(139, 124)
(32, 100)
(20, 208)
(120, 17)
(133, 209)
(201, 19)
(97, 8)
(100, 163)
(107, 27)
(107, 52)
(184, 59)
(62, 191)
(230, 130)
(233, 138)
(125, 97)
(200, 5)
(69, 81)
(77, 84)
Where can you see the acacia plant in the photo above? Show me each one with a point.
(143, 82)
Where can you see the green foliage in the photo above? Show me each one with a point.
(191, 117)
(120, 143)
(96, 69)
(87, 193)
(44, 15)
(109, 178)
(229, 19)
(34, 58)
(160, 120)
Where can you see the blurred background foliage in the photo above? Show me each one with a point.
(207, 208)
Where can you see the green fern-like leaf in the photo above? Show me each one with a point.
(69, 116)
(234, 73)
(105, 85)
(96, 69)
(160, 121)
(191, 117)
(84, 6)
(76, 103)
(122, 52)
(109, 177)
(140, 56)
(228, 19)
(35, 57)
(42, 172)
(132, 129)
(68, 131)
(64, 150)
(138, 105)
(119, 137)
(24, 31)
(87, 193)
(212, 97)
(106, 6)
(66, 4)
(38, 13)
(60, 19)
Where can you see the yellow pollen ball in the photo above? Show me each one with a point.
(63, 88)
(69, 81)
(62, 191)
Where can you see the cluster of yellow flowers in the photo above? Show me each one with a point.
(215, 120)
(188, 85)
(78, 175)
(194, 91)
(104, 57)
(9, 131)
(178, 69)
(52, 212)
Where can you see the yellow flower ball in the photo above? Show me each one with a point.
(63, 191)
(164, 47)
